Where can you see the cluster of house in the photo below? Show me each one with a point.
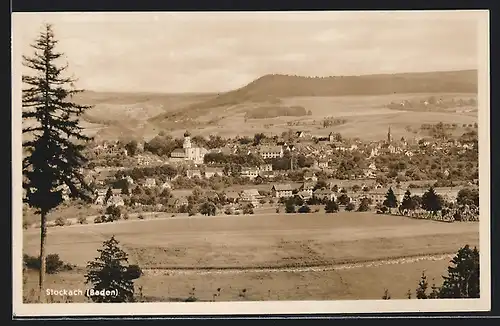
(377, 195)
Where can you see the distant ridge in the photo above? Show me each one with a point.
(270, 88)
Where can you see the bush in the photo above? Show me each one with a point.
(126, 216)
(304, 209)
(60, 221)
(248, 209)
(113, 213)
(331, 207)
(350, 207)
(82, 220)
(53, 263)
(134, 272)
(25, 225)
(140, 216)
(99, 219)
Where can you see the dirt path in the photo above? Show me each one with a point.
(318, 268)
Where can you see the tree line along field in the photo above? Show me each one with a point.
(262, 241)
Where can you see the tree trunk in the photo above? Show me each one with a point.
(43, 267)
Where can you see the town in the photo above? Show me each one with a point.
(209, 176)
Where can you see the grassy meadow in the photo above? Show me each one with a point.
(264, 241)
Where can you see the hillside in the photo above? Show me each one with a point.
(270, 88)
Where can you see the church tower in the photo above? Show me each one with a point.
(389, 135)
(187, 140)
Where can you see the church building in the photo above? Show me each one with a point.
(188, 152)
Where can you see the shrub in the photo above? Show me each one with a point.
(316, 210)
(53, 263)
(126, 216)
(99, 219)
(248, 209)
(350, 207)
(140, 216)
(60, 221)
(25, 225)
(113, 213)
(134, 272)
(304, 209)
(82, 220)
(331, 207)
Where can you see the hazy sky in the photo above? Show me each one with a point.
(207, 52)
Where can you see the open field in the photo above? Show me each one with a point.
(343, 284)
(261, 242)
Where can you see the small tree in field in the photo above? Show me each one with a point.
(408, 203)
(343, 199)
(421, 291)
(111, 271)
(390, 200)
(208, 208)
(290, 205)
(350, 207)
(364, 205)
(52, 138)
(431, 201)
(331, 207)
(248, 209)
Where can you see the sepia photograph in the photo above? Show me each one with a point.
(211, 163)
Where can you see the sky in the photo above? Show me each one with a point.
(214, 52)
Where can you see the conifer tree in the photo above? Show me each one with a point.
(52, 138)
(462, 280)
(421, 291)
(390, 199)
(431, 201)
(408, 203)
(109, 194)
(111, 271)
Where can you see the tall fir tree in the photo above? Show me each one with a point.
(390, 199)
(52, 138)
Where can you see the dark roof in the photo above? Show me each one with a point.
(282, 187)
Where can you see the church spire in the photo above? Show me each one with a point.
(389, 135)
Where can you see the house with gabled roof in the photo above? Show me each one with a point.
(282, 190)
(324, 194)
(308, 187)
(251, 196)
